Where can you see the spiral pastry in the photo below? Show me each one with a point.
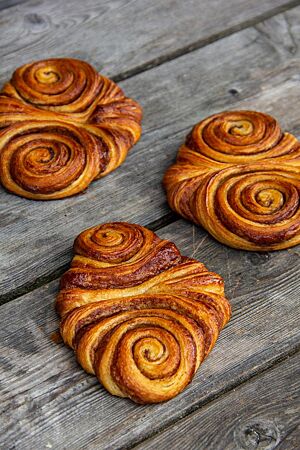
(62, 125)
(238, 176)
(138, 314)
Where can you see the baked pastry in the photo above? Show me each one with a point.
(238, 176)
(138, 314)
(63, 125)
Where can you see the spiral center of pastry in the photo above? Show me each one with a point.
(41, 155)
(64, 85)
(270, 197)
(256, 206)
(150, 349)
(47, 75)
(47, 159)
(155, 351)
(113, 243)
(239, 127)
(108, 238)
(230, 136)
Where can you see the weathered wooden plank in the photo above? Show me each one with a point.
(255, 68)
(262, 413)
(9, 3)
(103, 32)
(47, 400)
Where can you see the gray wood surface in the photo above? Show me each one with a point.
(182, 61)
(49, 402)
(260, 414)
(4, 4)
(120, 36)
(254, 68)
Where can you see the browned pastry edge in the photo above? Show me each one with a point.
(238, 176)
(138, 314)
(62, 126)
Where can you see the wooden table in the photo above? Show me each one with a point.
(182, 60)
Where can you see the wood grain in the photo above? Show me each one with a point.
(36, 238)
(103, 32)
(9, 3)
(47, 400)
(262, 413)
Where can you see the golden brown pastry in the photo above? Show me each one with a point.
(62, 125)
(238, 175)
(138, 314)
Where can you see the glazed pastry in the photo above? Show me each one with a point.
(238, 176)
(62, 126)
(138, 314)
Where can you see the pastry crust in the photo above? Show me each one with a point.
(238, 176)
(62, 126)
(138, 314)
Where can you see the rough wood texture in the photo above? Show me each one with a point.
(9, 3)
(263, 74)
(49, 401)
(261, 414)
(103, 32)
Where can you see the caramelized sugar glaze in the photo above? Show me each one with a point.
(62, 126)
(238, 176)
(138, 314)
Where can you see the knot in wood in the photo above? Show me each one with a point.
(258, 434)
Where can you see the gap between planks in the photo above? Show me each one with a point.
(260, 363)
(205, 41)
(163, 221)
(5, 4)
(170, 217)
(191, 47)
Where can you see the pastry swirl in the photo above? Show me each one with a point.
(138, 314)
(238, 176)
(61, 95)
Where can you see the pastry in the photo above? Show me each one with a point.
(62, 126)
(138, 314)
(238, 176)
